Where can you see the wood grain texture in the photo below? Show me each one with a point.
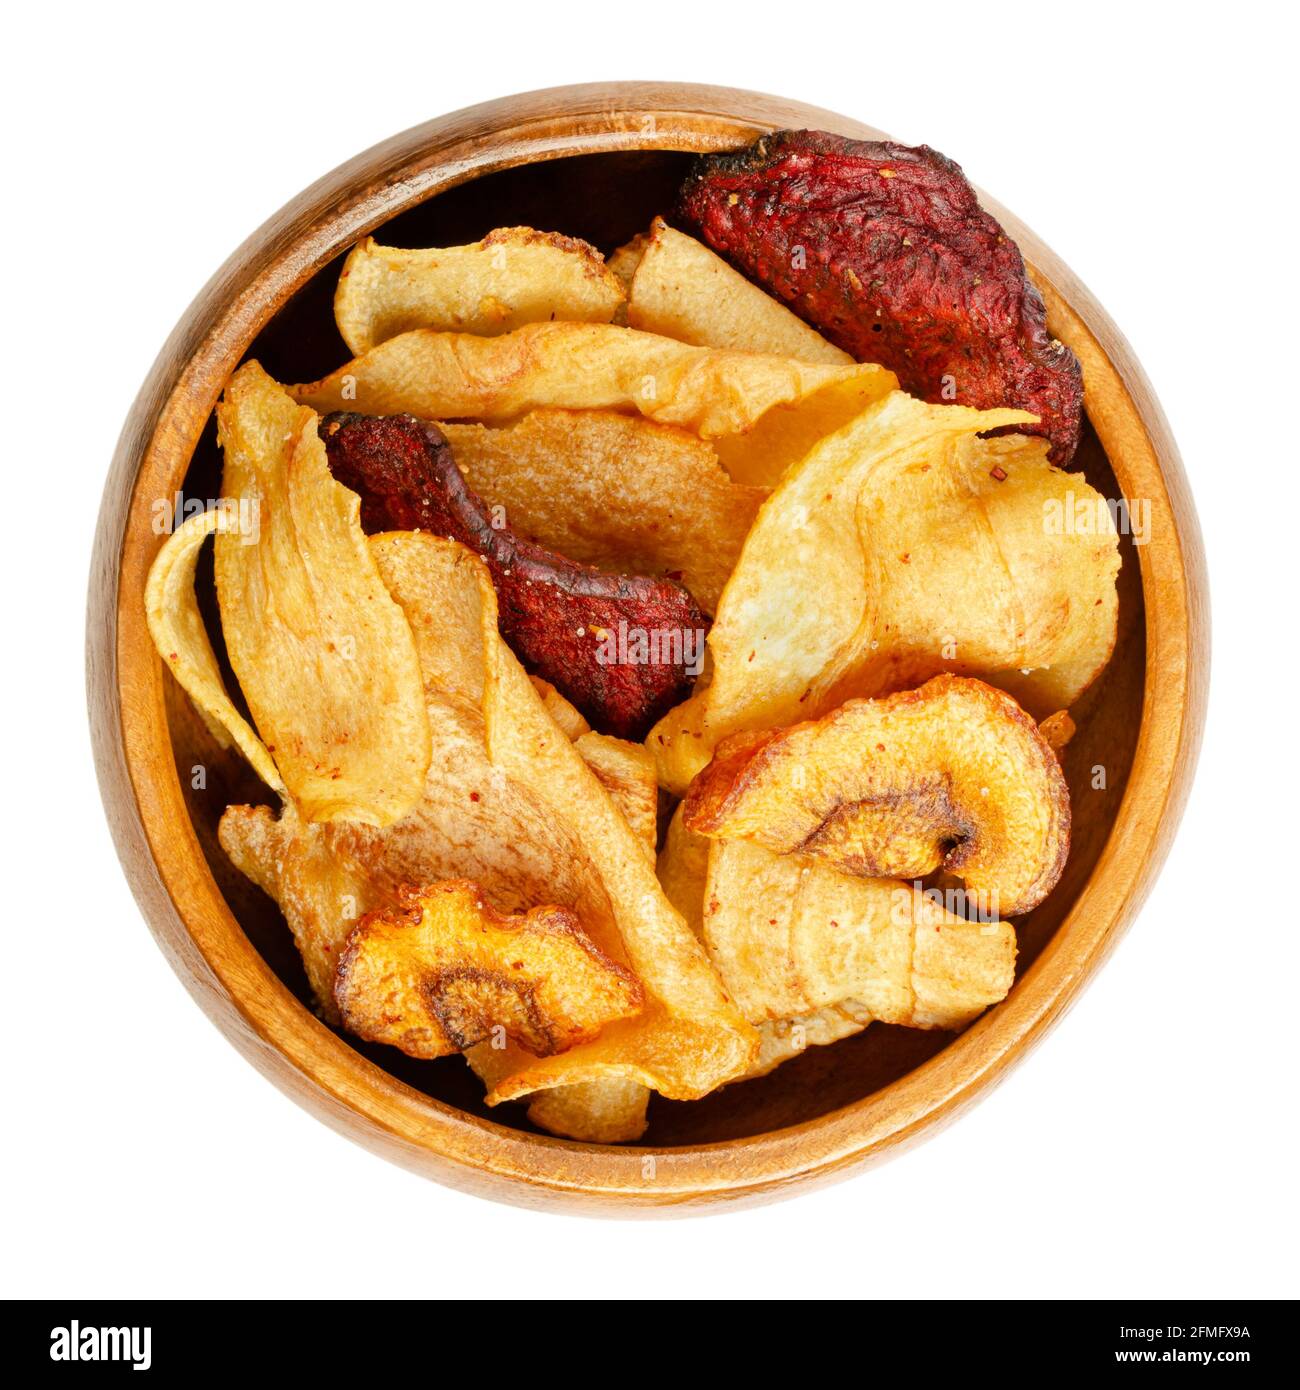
(875, 1094)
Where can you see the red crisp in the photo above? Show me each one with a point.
(561, 619)
(885, 250)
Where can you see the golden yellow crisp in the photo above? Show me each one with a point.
(324, 656)
(619, 492)
(690, 1037)
(608, 1110)
(780, 1039)
(564, 714)
(514, 276)
(441, 970)
(470, 821)
(762, 456)
(683, 290)
(1058, 729)
(623, 262)
(683, 870)
(791, 936)
(577, 366)
(176, 626)
(954, 775)
(682, 867)
(612, 1109)
(627, 772)
(902, 546)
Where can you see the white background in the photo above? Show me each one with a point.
(1148, 1147)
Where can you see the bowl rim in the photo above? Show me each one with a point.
(159, 849)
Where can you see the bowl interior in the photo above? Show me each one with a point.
(605, 199)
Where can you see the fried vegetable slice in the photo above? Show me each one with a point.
(627, 772)
(682, 867)
(623, 263)
(509, 803)
(564, 714)
(609, 1110)
(1058, 729)
(781, 1039)
(324, 656)
(625, 769)
(954, 775)
(573, 625)
(791, 936)
(615, 491)
(886, 250)
(782, 438)
(514, 276)
(176, 626)
(436, 972)
(683, 290)
(612, 1109)
(577, 366)
(319, 875)
(906, 546)
(683, 870)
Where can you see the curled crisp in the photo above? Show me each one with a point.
(906, 545)
(608, 1109)
(441, 969)
(514, 276)
(791, 937)
(685, 291)
(579, 366)
(954, 775)
(683, 869)
(324, 656)
(176, 626)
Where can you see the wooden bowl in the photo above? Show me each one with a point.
(597, 162)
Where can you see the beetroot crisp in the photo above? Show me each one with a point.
(885, 250)
(623, 648)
